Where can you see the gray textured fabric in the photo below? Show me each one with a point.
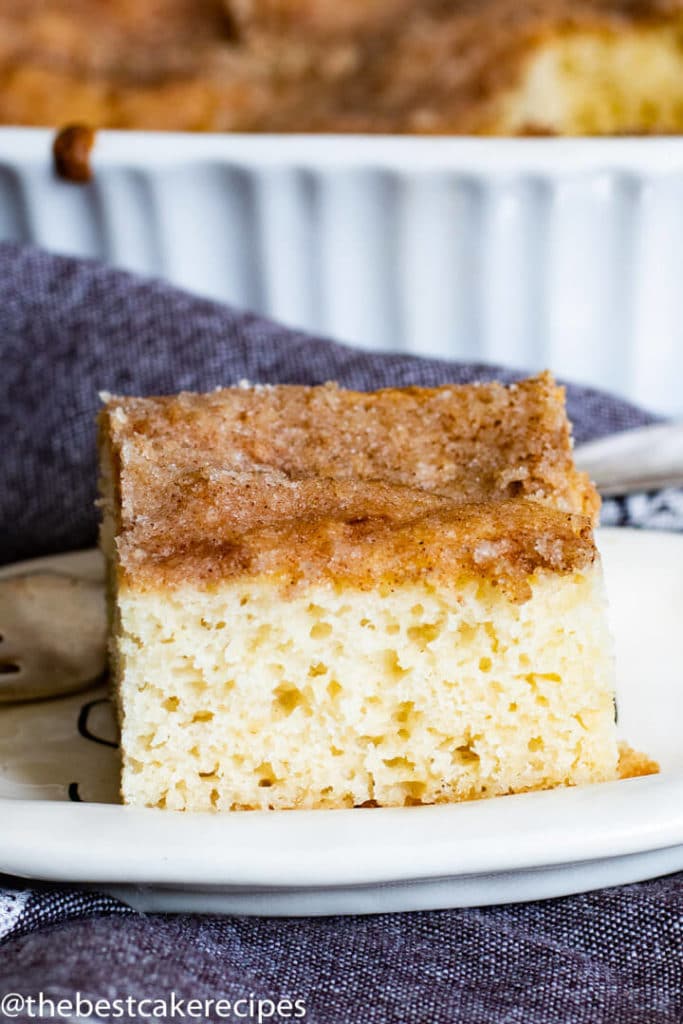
(69, 329)
(613, 957)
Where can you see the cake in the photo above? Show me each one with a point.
(323, 598)
(491, 67)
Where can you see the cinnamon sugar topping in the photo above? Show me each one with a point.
(318, 482)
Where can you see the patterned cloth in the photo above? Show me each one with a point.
(69, 329)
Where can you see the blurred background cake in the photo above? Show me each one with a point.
(499, 67)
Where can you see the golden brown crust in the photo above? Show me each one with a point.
(633, 764)
(429, 66)
(312, 483)
(464, 442)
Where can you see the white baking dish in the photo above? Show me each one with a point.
(532, 252)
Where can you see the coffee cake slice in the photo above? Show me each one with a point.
(325, 598)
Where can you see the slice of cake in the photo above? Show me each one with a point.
(325, 598)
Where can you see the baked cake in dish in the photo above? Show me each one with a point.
(500, 67)
(327, 598)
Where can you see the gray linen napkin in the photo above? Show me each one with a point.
(70, 328)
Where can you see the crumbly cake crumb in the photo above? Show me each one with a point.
(633, 764)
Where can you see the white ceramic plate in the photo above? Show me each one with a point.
(526, 252)
(61, 822)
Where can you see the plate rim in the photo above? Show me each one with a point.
(241, 848)
(238, 842)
